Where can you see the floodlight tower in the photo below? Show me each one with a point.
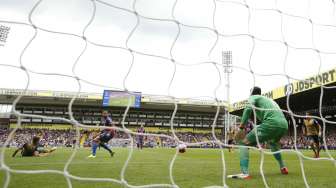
(4, 30)
(227, 64)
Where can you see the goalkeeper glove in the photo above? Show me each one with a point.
(240, 135)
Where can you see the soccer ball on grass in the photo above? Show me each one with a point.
(182, 148)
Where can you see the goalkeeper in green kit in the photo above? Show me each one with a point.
(273, 126)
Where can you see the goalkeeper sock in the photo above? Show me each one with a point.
(277, 156)
(244, 159)
(105, 147)
(94, 148)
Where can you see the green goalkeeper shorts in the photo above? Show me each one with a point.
(266, 133)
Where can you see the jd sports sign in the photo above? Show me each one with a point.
(310, 83)
(324, 78)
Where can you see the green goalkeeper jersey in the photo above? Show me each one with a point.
(271, 116)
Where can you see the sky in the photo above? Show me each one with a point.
(198, 71)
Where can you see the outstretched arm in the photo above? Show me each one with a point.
(247, 112)
(319, 128)
(41, 154)
(16, 151)
(303, 130)
(246, 115)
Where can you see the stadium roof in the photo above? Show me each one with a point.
(300, 92)
(304, 94)
(95, 99)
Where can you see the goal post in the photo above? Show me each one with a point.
(170, 48)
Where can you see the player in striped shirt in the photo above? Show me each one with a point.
(230, 135)
(104, 136)
(140, 138)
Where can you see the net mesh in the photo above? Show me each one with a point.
(249, 8)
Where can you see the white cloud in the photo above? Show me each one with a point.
(111, 26)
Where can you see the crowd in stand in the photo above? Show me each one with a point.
(48, 137)
(287, 142)
(66, 138)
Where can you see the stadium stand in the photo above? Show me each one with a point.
(65, 138)
(192, 122)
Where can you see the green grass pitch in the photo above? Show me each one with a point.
(195, 168)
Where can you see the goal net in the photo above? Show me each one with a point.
(170, 48)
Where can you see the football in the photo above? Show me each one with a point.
(182, 148)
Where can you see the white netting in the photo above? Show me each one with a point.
(181, 24)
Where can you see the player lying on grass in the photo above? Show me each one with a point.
(104, 136)
(273, 126)
(33, 149)
(312, 129)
